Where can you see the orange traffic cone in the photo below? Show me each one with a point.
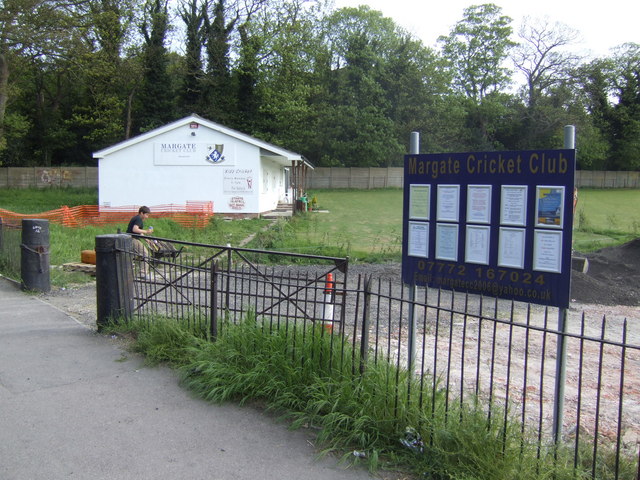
(329, 287)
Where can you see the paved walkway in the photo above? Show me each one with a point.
(73, 404)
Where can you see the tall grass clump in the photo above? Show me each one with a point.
(370, 407)
(161, 340)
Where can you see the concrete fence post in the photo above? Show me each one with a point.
(114, 278)
(34, 255)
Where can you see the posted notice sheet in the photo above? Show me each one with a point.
(547, 251)
(513, 205)
(419, 202)
(418, 245)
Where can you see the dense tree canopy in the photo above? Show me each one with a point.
(343, 87)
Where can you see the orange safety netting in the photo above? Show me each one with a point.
(193, 214)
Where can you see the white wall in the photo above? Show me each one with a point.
(273, 188)
(144, 173)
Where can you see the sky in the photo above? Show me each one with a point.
(602, 25)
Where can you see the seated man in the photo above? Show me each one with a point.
(136, 226)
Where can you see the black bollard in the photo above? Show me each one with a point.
(114, 279)
(34, 258)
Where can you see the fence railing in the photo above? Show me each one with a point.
(503, 354)
(469, 349)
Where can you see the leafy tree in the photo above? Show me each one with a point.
(106, 78)
(354, 114)
(217, 88)
(594, 86)
(625, 118)
(192, 13)
(610, 88)
(476, 48)
(418, 90)
(487, 121)
(156, 97)
(293, 65)
(247, 74)
(52, 100)
(18, 119)
(33, 29)
(342, 87)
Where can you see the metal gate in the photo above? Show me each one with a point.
(205, 283)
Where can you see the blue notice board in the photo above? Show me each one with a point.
(490, 223)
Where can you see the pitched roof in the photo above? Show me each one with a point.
(265, 148)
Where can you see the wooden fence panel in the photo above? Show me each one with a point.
(603, 179)
(43, 177)
(319, 178)
(367, 178)
(355, 177)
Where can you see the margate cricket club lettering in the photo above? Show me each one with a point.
(214, 154)
(484, 164)
(178, 147)
(182, 153)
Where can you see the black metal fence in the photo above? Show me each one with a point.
(506, 354)
(502, 354)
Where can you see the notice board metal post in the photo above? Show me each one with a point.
(414, 149)
(561, 355)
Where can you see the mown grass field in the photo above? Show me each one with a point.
(365, 224)
(371, 220)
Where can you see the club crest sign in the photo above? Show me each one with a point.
(214, 154)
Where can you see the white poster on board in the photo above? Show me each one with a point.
(511, 247)
(547, 251)
(447, 242)
(513, 205)
(448, 206)
(479, 203)
(419, 202)
(418, 245)
(476, 249)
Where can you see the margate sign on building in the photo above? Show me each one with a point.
(196, 160)
(491, 223)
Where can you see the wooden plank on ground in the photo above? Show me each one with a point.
(79, 267)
